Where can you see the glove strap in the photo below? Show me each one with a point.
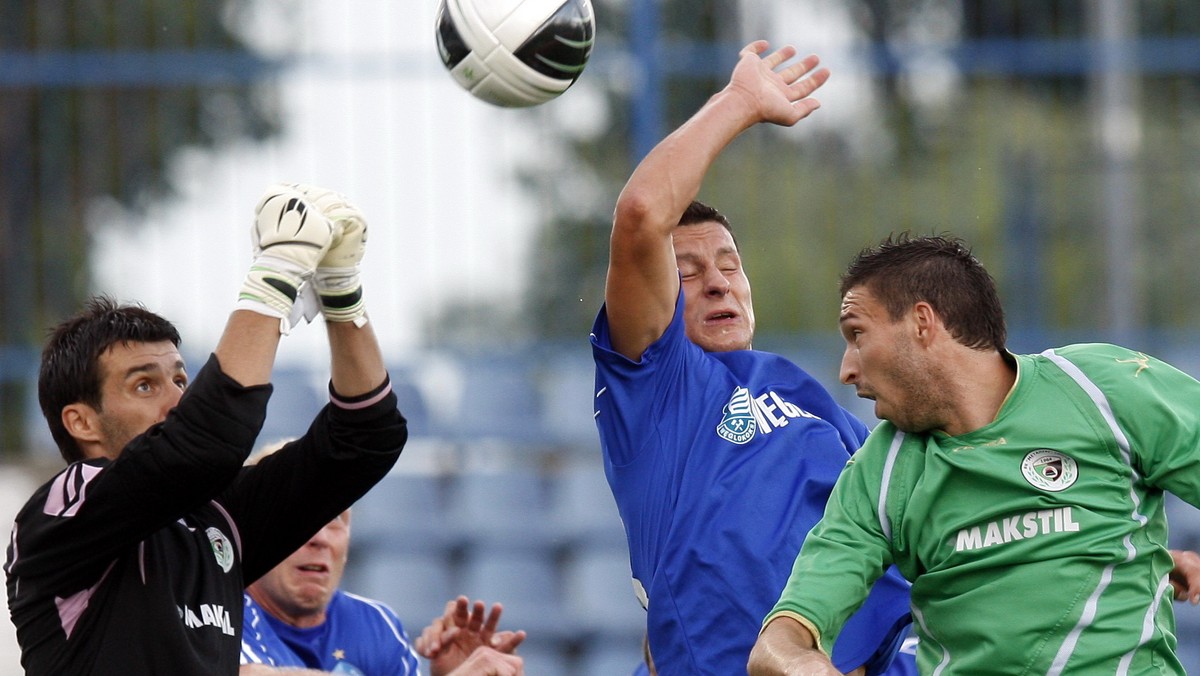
(271, 287)
(341, 295)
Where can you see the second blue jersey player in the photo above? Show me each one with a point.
(721, 458)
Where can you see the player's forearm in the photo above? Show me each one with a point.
(785, 646)
(670, 176)
(357, 365)
(247, 348)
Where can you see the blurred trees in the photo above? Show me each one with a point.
(99, 95)
(975, 117)
(989, 136)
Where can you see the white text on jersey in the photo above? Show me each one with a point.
(744, 415)
(210, 615)
(1020, 527)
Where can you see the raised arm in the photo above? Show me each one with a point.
(642, 280)
(357, 365)
(290, 238)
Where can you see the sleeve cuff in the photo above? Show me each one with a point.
(804, 621)
(363, 400)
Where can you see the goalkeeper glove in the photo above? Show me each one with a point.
(289, 239)
(337, 280)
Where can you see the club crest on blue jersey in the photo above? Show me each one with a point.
(222, 548)
(1049, 470)
(746, 414)
(737, 418)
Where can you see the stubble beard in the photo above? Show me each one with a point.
(922, 399)
(116, 433)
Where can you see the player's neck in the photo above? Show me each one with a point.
(984, 381)
(301, 619)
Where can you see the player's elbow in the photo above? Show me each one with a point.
(635, 208)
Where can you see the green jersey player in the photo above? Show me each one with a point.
(1022, 495)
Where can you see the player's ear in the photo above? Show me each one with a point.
(924, 320)
(82, 422)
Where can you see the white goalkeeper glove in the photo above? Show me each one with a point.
(337, 280)
(289, 238)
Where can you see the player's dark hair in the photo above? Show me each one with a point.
(70, 369)
(904, 270)
(699, 212)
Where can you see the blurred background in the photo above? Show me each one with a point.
(1060, 137)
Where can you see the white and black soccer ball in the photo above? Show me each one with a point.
(515, 53)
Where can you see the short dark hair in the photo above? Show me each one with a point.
(699, 212)
(70, 368)
(940, 270)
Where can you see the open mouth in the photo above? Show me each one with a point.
(721, 316)
(314, 568)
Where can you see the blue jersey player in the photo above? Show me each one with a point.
(721, 458)
(298, 620)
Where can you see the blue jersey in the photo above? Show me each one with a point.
(359, 636)
(720, 464)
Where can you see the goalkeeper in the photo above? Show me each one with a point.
(132, 560)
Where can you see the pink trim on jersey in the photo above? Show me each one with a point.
(64, 500)
(71, 608)
(354, 406)
(237, 537)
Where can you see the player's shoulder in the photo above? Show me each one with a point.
(62, 494)
(364, 607)
(1100, 362)
(1090, 352)
(768, 369)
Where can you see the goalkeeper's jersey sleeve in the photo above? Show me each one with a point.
(1036, 544)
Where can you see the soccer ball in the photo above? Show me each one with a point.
(515, 53)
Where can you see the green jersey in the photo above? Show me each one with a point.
(1036, 544)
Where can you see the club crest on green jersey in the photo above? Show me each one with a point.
(1049, 470)
(222, 548)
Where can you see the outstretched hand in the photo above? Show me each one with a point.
(450, 640)
(777, 95)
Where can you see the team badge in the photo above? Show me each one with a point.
(737, 418)
(222, 548)
(1049, 470)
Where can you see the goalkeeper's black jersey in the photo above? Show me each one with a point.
(137, 565)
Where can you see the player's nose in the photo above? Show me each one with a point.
(715, 282)
(848, 372)
(320, 538)
(171, 400)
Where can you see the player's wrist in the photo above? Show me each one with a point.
(271, 287)
(341, 295)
